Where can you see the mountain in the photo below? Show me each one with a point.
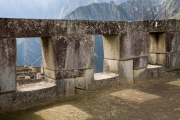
(43, 9)
(131, 10)
(128, 11)
(29, 52)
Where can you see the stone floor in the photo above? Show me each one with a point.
(151, 100)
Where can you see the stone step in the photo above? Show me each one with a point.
(105, 79)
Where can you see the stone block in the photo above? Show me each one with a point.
(80, 83)
(157, 43)
(140, 74)
(7, 65)
(89, 77)
(111, 66)
(50, 73)
(59, 27)
(178, 42)
(173, 61)
(25, 28)
(140, 62)
(126, 71)
(141, 43)
(73, 52)
(111, 47)
(151, 72)
(47, 53)
(160, 25)
(157, 59)
(126, 47)
(64, 74)
(171, 42)
(104, 80)
(69, 86)
(135, 26)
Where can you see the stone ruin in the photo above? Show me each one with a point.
(133, 51)
(28, 74)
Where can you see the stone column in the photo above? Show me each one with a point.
(68, 60)
(117, 57)
(7, 65)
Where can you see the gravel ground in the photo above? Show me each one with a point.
(151, 100)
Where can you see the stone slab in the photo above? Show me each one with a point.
(140, 62)
(111, 66)
(7, 65)
(126, 71)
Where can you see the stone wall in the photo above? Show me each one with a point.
(68, 50)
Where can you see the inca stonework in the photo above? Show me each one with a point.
(133, 51)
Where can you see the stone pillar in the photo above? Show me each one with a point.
(7, 65)
(118, 58)
(68, 59)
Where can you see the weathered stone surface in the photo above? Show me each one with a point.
(63, 74)
(73, 52)
(47, 28)
(177, 45)
(171, 42)
(47, 54)
(111, 66)
(69, 86)
(80, 83)
(111, 47)
(160, 25)
(140, 62)
(89, 77)
(135, 26)
(140, 43)
(7, 64)
(173, 61)
(50, 73)
(157, 59)
(25, 27)
(126, 47)
(151, 72)
(126, 71)
(104, 80)
(157, 43)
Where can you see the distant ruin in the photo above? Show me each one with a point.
(133, 51)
